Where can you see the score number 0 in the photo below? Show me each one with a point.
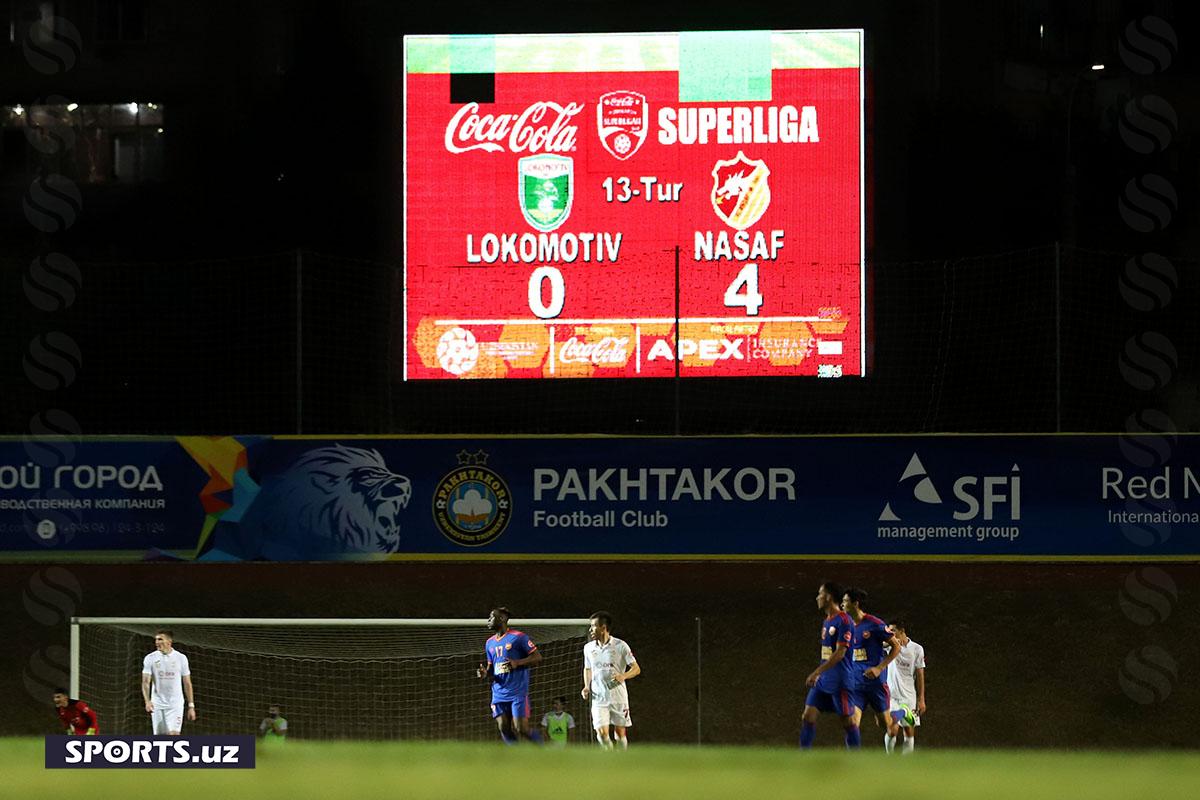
(741, 293)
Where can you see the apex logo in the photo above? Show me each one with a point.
(994, 491)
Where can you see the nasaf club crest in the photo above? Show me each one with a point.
(740, 193)
(545, 186)
(622, 120)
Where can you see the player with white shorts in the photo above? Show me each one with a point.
(607, 664)
(166, 680)
(906, 683)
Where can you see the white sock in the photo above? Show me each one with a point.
(907, 747)
(624, 743)
(889, 742)
(605, 742)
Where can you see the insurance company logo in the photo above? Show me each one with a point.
(545, 184)
(472, 504)
(741, 193)
(543, 126)
(972, 495)
(622, 119)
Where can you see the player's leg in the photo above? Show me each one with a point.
(600, 722)
(502, 713)
(619, 716)
(893, 729)
(850, 710)
(876, 700)
(910, 740)
(158, 721)
(619, 738)
(174, 717)
(521, 714)
(816, 702)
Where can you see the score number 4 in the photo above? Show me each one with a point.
(741, 293)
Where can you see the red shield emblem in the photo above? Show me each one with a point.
(740, 193)
(622, 118)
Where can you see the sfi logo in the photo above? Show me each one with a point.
(993, 491)
(924, 490)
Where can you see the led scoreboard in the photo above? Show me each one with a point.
(630, 205)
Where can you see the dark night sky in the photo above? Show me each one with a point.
(283, 131)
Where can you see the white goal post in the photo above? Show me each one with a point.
(356, 678)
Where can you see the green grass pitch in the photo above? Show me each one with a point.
(362, 770)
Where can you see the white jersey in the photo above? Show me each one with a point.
(901, 675)
(605, 661)
(167, 671)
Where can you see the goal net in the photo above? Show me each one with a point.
(333, 679)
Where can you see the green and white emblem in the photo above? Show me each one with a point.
(546, 184)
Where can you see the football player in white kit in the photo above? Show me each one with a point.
(607, 664)
(906, 682)
(166, 680)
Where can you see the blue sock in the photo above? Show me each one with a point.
(535, 736)
(808, 732)
(507, 737)
(853, 737)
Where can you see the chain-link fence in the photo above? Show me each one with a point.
(1052, 338)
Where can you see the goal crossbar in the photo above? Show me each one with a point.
(361, 622)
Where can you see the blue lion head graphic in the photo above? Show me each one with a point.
(331, 500)
(349, 495)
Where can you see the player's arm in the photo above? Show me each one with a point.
(634, 670)
(93, 723)
(484, 670)
(191, 697)
(146, 677)
(877, 670)
(531, 660)
(920, 679)
(838, 654)
(587, 682)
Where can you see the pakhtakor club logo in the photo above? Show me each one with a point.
(545, 185)
(472, 504)
(740, 193)
(622, 119)
(976, 494)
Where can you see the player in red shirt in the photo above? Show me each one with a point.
(75, 715)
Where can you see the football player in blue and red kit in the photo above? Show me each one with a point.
(510, 654)
(867, 658)
(830, 685)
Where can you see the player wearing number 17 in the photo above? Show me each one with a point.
(510, 654)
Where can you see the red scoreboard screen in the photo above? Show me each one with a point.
(633, 205)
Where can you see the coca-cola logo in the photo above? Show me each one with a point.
(543, 126)
(609, 350)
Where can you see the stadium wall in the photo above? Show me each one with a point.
(1030, 654)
